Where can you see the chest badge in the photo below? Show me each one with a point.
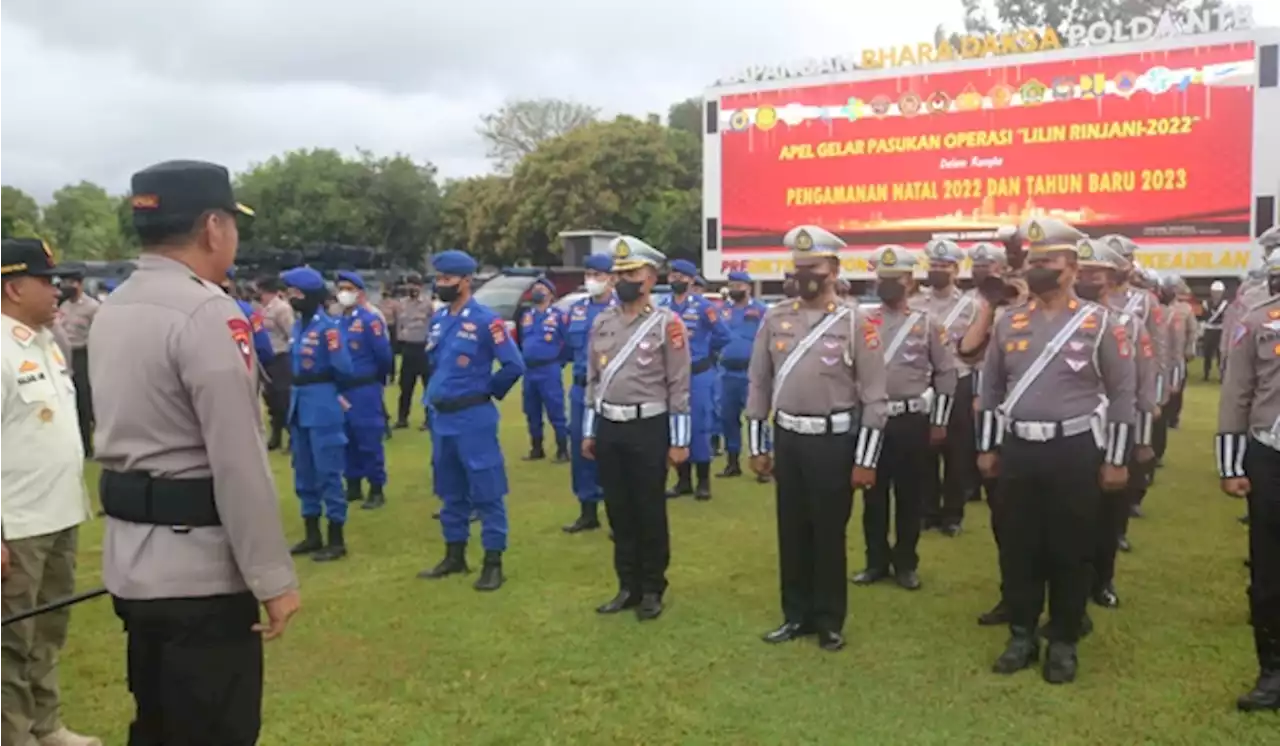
(46, 415)
(604, 360)
(463, 361)
(1076, 365)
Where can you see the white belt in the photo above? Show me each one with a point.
(1267, 438)
(1043, 432)
(836, 424)
(918, 405)
(629, 412)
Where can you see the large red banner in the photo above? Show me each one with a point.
(1154, 146)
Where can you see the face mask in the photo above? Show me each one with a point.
(679, 288)
(1273, 284)
(414, 292)
(347, 298)
(737, 295)
(447, 293)
(1041, 280)
(629, 290)
(1089, 290)
(597, 288)
(790, 288)
(307, 305)
(939, 279)
(66, 294)
(1166, 297)
(538, 297)
(810, 284)
(891, 291)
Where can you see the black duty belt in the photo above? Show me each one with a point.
(580, 381)
(736, 364)
(703, 365)
(531, 364)
(138, 497)
(313, 379)
(355, 383)
(448, 406)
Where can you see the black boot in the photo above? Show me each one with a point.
(588, 519)
(732, 467)
(455, 561)
(535, 451)
(1022, 652)
(274, 443)
(1060, 663)
(704, 482)
(312, 541)
(562, 450)
(355, 490)
(715, 446)
(998, 615)
(376, 498)
(336, 548)
(402, 423)
(1265, 694)
(491, 574)
(684, 482)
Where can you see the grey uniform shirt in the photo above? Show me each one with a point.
(1191, 332)
(175, 395)
(277, 318)
(658, 369)
(1146, 366)
(413, 320)
(954, 310)
(923, 360)
(1249, 402)
(77, 318)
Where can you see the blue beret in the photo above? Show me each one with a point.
(600, 263)
(231, 273)
(739, 277)
(454, 262)
(111, 284)
(700, 281)
(305, 279)
(684, 267)
(346, 275)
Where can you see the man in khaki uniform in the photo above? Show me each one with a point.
(193, 538)
(1041, 433)
(918, 360)
(413, 321)
(952, 476)
(1248, 453)
(637, 423)
(818, 368)
(44, 497)
(76, 314)
(277, 318)
(1181, 345)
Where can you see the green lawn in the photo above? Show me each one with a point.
(380, 657)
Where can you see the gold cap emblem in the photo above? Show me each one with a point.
(622, 250)
(1086, 250)
(1035, 233)
(889, 258)
(804, 241)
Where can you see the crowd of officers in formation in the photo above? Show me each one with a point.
(1050, 387)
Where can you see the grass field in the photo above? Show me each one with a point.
(379, 657)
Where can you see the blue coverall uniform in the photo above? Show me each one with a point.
(371, 363)
(317, 432)
(543, 341)
(743, 322)
(582, 314)
(708, 334)
(261, 339)
(466, 459)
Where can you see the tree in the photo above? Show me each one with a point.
(520, 126)
(404, 207)
(1059, 15)
(83, 222)
(309, 196)
(19, 214)
(475, 211)
(687, 116)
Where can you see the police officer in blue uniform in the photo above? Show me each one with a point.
(261, 339)
(699, 288)
(707, 336)
(465, 338)
(582, 314)
(542, 334)
(743, 315)
(371, 362)
(317, 434)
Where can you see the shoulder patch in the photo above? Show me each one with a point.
(332, 339)
(498, 331)
(377, 327)
(242, 335)
(675, 332)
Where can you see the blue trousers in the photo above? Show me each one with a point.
(366, 456)
(717, 404)
(318, 455)
(585, 478)
(733, 399)
(469, 474)
(544, 390)
(702, 390)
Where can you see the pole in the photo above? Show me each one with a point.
(54, 605)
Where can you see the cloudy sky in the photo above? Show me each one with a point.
(95, 89)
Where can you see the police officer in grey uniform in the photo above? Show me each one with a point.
(76, 314)
(411, 333)
(1248, 453)
(818, 367)
(1042, 431)
(920, 371)
(637, 422)
(193, 538)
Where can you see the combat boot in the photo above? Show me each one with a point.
(1060, 663)
(732, 467)
(684, 481)
(491, 573)
(1265, 694)
(535, 451)
(376, 498)
(704, 482)
(562, 450)
(274, 443)
(355, 490)
(311, 542)
(1022, 652)
(715, 446)
(588, 519)
(336, 548)
(455, 561)
(998, 615)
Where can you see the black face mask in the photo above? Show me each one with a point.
(66, 294)
(891, 291)
(679, 288)
(414, 292)
(1166, 297)
(810, 284)
(447, 293)
(737, 295)
(1273, 284)
(308, 304)
(538, 297)
(628, 290)
(1041, 280)
(1089, 290)
(939, 279)
(790, 288)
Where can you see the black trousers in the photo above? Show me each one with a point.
(813, 482)
(1262, 466)
(276, 393)
(195, 670)
(1211, 340)
(1160, 431)
(1113, 522)
(84, 396)
(904, 465)
(999, 520)
(632, 462)
(413, 365)
(947, 490)
(1052, 497)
